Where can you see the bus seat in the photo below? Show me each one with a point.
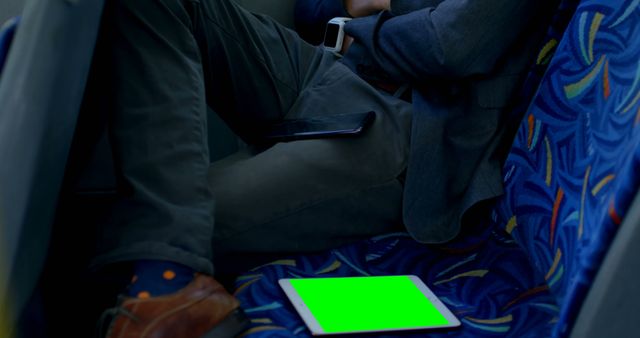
(570, 177)
(41, 90)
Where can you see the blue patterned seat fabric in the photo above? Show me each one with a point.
(572, 171)
(569, 179)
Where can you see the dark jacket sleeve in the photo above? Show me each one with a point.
(311, 17)
(457, 38)
(401, 7)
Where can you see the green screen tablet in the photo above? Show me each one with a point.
(367, 304)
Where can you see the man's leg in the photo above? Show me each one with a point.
(254, 72)
(170, 59)
(255, 69)
(163, 220)
(158, 135)
(305, 195)
(316, 194)
(164, 54)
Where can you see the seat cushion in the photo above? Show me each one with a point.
(484, 278)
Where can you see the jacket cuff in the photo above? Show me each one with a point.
(363, 56)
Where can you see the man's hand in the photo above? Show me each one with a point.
(359, 8)
(346, 43)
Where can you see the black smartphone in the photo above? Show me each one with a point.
(319, 127)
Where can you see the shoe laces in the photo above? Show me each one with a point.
(107, 318)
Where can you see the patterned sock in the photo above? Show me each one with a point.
(156, 278)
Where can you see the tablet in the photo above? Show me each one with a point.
(366, 304)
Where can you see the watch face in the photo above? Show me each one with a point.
(331, 35)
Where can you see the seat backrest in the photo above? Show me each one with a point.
(10, 8)
(571, 173)
(41, 90)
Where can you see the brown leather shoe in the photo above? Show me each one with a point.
(203, 309)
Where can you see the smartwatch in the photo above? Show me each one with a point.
(334, 34)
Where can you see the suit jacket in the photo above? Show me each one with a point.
(465, 60)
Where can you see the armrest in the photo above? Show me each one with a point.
(610, 309)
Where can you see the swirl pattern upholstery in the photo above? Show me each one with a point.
(572, 171)
(570, 177)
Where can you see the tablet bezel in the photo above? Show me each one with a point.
(316, 329)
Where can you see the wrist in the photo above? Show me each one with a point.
(383, 5)
(360, 8)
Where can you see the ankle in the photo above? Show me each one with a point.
(152, 278)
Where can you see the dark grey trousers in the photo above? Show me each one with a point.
(172, 58)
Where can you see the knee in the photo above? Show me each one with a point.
(152, 12)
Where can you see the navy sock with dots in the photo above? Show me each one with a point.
(154, 278)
